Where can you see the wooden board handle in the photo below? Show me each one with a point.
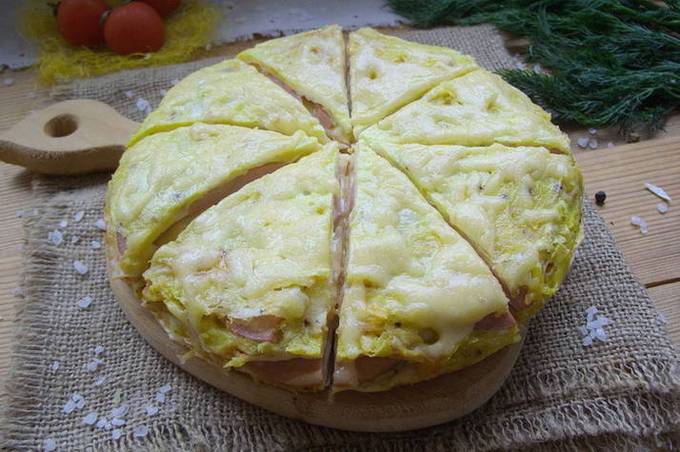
(70, 137)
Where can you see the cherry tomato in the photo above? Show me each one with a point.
(78, 21)
(134, 28)
(163, 7)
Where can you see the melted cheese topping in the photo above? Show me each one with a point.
(476, 109)
(414, 288)
(230, 92)
(520, 207)
(159, 178)
(263, 251)
(387, 73)
(313, 65)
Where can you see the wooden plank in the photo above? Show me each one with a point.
(667, 299)
(621, 172)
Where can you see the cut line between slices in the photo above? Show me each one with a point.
(316, 110)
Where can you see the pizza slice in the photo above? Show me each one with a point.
(477, 109)
(387, 73)
(166, 179)
(312, 66)
(418, 300)
(234, 93)
(248, 285)
(519, 207)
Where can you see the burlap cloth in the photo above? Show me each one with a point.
(622, 394)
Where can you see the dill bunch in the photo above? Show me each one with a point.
(611, 62)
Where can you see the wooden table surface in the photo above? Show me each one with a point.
(620, 171)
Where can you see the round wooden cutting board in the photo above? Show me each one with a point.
(432, 402)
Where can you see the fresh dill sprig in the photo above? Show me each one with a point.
(610, 62)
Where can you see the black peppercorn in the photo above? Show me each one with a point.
(600, 197)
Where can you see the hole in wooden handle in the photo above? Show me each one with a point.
(61, 126)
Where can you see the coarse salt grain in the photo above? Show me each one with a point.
(662, 207)
(100, 224)
(594, 328)
(592, 131)
(63, 224)
(91, 366)
(100, 381)
(75, 239)
(140, 431)
(600, 335)
(85, 302)
(95, 244)
(55, 366)
(592, 143)
(120, 411)
(598, 323)
(117, 422)
(583, 142)
(658, 191)
(591, 311)
(165, 389)
(80, 267)
(90, 418)
(101, 423)
(160, 397)
(78, 215)
(143, 105)
(69, 407)
(662, 318)
(642, 224)
(98, 350)
(55, 237)
(151, 410)
(116, 434)
(49, 445)
(80, 403)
